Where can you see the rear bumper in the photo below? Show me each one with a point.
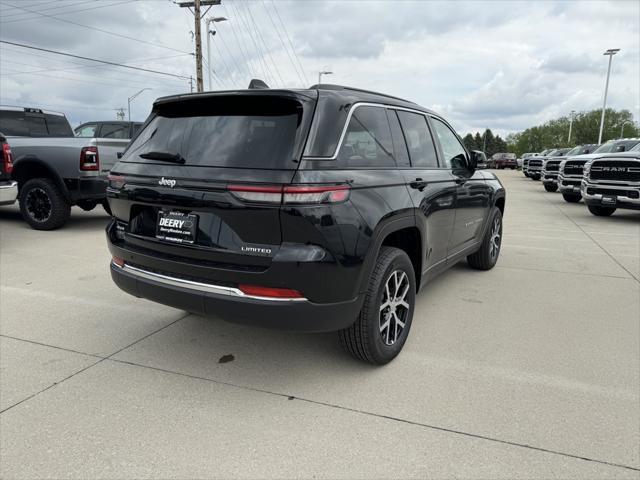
(8, 192)
(625, 196)
(229, 304)
(87, 188)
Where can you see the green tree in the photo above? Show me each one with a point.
(469, 142)
(477, 138)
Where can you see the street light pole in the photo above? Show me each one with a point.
(129, 100)
(323, 73)
(570, 125)
(211, 33)
(622, 128)
(610, 53)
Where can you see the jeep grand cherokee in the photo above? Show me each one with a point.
(323, 209)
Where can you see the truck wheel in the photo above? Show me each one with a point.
(526, 174)
(535, 177)
(571, 197)
(106, 207)
(382, 327)
(42, 204)
(551, 187)
(86, 206)
(487, 256)
(601, 211)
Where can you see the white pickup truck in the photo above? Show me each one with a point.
(54, 169)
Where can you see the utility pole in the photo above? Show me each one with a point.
(610, 53)
(209, 34)
(197, 14)
(570, 125)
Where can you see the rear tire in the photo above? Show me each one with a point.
(379, 333)
(571, 197)
(487, 255)
(550, 187)
(601, 211)
(42, 205)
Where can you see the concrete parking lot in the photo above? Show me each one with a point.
(530, 370)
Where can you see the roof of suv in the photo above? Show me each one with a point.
(349, 93)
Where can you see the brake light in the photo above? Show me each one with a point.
(269, 292)
(291, 194)
(7, 158)
(115, 181)
(89, 159)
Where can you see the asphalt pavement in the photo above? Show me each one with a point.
(530, 370)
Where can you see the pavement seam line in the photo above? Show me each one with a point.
(51, 346)
(592, 239)
(101, 359)
(564, 273)
(377, 415)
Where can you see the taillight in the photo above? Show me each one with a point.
(89, 159)
(7, 158)
(291, 194)
(116, 181)
(269, 292)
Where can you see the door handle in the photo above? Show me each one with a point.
(418, 184)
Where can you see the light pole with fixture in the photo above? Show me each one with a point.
(610, 53)
(622, 128)
(211, 33)
(129, 100)
(324, 72)
(570, 125)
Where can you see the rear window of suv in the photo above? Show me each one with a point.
(251, 132)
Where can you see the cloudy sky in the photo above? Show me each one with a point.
(506, 65)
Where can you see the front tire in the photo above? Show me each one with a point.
(381, 329)
(550, 187)
(601, 211)
(42, 205)
(487, 255)
(535, 177)
(571, 197)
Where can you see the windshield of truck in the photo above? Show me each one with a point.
(613, 147)
(254, 132)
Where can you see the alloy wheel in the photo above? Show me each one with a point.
(38, 204)
(394, 309)
(496, 238)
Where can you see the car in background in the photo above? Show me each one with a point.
(482, 159)
(503, 160)
(570, 171)
(8, 187)
(108, 129)
(54, 169)
(551, 165)
(612, 181)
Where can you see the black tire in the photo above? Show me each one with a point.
(535, 177)
(601, 211)
(367, 339)
(107, 208)
(551, 187)
(526, 174)
(87, 206)
(42, 205)
(487, 255)
(572, 197)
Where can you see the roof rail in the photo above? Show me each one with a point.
(330, 86)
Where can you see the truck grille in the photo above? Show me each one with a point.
(535, 163)
(574, 167)
(617, 170)
(552, 166)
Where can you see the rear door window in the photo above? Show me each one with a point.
(252, 132)
(367, 141)
(416, 132)
(114, 130)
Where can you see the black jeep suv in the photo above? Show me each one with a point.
(323, 209)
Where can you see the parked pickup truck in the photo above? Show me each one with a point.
(8, 187)
(571, 169)
(551, 164)
(525, 161)
(54, 169)
(612, 181)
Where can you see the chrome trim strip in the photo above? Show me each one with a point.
(367, 104)
(199, 286)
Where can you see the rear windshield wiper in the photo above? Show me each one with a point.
(163, 157)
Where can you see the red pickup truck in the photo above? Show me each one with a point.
(503, 160)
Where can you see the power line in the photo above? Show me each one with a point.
(233, 57)
(275, 8)
(27, 16)
(241, 45)
(264, 44)
(295, 67)
(106, 62)
(99, 29)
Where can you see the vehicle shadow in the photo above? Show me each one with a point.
(78, 219)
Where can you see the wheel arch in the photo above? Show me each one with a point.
(26, 168)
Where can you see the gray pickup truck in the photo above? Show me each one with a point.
(54, 169)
